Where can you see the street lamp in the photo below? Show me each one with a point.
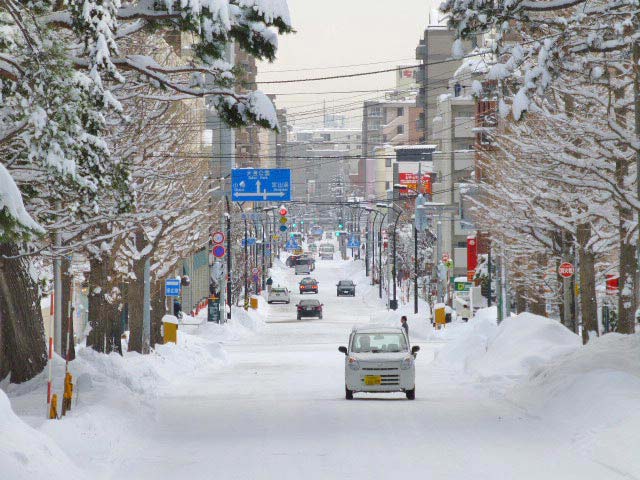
(398, 186)
(394, 303)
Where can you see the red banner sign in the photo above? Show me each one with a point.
(410, 181)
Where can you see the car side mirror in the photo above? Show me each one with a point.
(415, 349)
(343, 350)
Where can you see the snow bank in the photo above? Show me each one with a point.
(28, 454)
(523, 343)
(594, 392)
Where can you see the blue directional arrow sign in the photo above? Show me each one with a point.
(260, 184)
(172, 287)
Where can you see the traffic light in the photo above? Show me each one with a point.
(294, 225)
(301, 222)
(283, 211)
(340, 226)
(337, 234)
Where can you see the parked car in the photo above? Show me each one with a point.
(309, 308)
(346, 287)
(379, 359)
(308, 285)
(279, 294)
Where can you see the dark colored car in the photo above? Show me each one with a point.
(308, 285)
(309, 308)
(346, 287)
(291, 260)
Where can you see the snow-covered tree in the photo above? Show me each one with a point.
(60, 67)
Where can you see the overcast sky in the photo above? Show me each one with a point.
(343, 32)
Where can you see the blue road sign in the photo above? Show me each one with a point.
(291, 245)
(172, 287)
(260, 184)
(250, 242)
(354, 242)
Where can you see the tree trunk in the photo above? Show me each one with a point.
(157, 311)
(627, 261)
(67, 315)
(23, 351)
(104, 315)
(135, 299)
(588, 303)
(521, 299)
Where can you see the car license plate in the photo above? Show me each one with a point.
(372, 380)
(307, 308)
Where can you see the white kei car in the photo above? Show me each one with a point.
(279, 294)
(379, 359)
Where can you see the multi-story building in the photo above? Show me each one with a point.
(317, 156)
(454, 128)
(434, 50)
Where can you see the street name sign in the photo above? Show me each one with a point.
(260, 184)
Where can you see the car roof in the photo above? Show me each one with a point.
(345, 281)
(309, 302)
(379, 329)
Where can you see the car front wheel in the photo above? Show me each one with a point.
(348, 394)
(411, 394)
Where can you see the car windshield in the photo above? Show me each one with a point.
(309, 303)
(303, 261)
(379, 342)
(346, 283)
(308, 281)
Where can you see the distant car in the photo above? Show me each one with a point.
(308, 285)
(302, 269)
(346, 287)
(326, 251)
(309, 308)
(307, 261)
(328, 235)
(279, 295)
(291, 260)
(379, 359)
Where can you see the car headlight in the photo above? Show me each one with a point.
(353, 363)
(406, 363)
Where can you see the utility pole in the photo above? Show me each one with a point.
(489, 274)
(415, 269)
(500, 300)
(228, 219)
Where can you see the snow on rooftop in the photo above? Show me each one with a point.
(415, 147)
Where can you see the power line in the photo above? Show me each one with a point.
(335, 66)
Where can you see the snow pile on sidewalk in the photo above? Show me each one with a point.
(515, 348)
(28, 454)
(523, 343)
(591, 392)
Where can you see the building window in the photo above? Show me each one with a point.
(400, 111)
(387, 163)
(387, 185)
(400, 129)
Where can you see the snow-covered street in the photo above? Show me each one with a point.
(274, 408)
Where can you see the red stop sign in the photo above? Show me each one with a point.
(566, 270)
